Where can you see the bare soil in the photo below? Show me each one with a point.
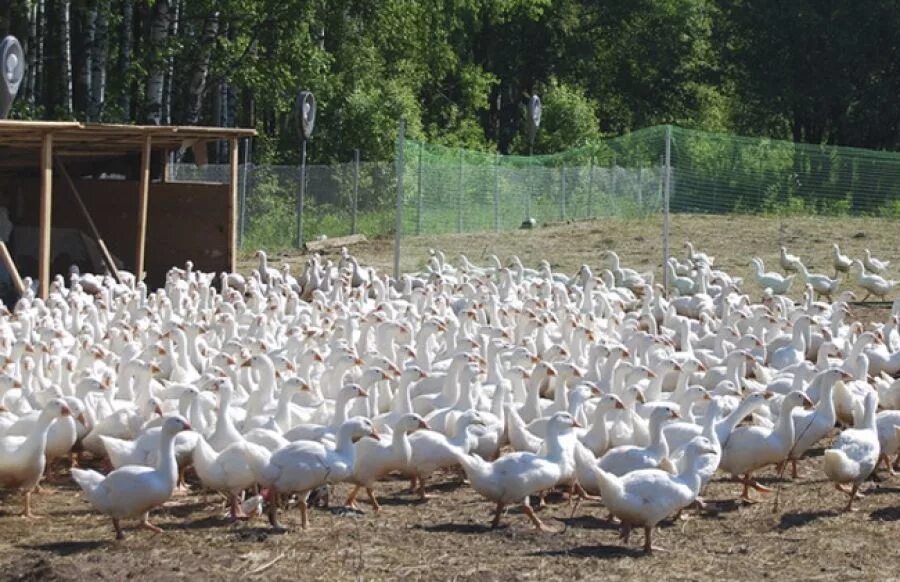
(805, 536)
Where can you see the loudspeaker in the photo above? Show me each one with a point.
(306, 109)
(12, 65)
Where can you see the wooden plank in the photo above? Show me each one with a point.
(46, 225)
(11, 268)
(107, 257)
(143, 203)
(332, 243)
(233, 204)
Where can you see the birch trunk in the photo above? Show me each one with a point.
(159, 32)
(127, 40)
(65, 48)
(200, 70)
(99, 53)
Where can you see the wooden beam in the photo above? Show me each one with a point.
(11, 267)
(143, 203)
(104, 251)
(332, 243)
(233, 203)
(46, 225)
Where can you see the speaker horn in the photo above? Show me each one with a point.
(306, 108)
(12, 66)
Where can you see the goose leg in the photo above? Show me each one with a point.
(422, 494)
(145, 523)
(236, 511)
(372, 498)
(27, 514)
(887, 463)
(120, 535)
(304, 518)
(497, 514)
(272, 510)
(534, 519)
(351, 499)
(794, 474)
(852, 497)
(756, 485)
(579, 490)
(625, 534)
(648, 546)
(897, 460)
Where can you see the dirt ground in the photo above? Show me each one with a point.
(447, 537)
(804, 537)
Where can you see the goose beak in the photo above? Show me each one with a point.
(361, 393)
(187, 426)
(81, 418)
(246, 364)
(65, 411)
(846, 376)
(807, 403)
(674, 415)
(358, 361)
(157, 410)
(424, 425)
(707, 396)
(641, 398)
(375, 436)
(551, 372)
(768, 395)
(619, 405)
(576, 424)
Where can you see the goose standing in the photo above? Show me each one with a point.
(135, 490)
(855, 453)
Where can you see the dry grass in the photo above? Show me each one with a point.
(447, 538)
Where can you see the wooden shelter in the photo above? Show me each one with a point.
(110, 182)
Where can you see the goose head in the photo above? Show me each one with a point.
(174, 425)
(361, 427)
(409, 423)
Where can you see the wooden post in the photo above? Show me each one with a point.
(143, 204)
(233, 204)
(45, 217)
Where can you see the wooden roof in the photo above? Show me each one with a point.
(74, 138)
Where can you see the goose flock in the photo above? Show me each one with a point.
(268, 389)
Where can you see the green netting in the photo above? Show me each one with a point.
(456, 190)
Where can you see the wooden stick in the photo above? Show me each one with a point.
(45, 216)
(143, 205)
(107, 257)
(233, 204)
(11, 267)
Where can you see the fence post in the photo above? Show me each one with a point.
(613, 183)
(667, 186)
(419, 193)
(355, 201)
(497, 192)
(640, 188)
(590, 196)
(562, 192)
(459, 198)
(302, 195)
(401, 142)
(243, 223)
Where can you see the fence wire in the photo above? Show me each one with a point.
(450, 190)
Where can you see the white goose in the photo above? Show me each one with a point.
(855, 453)
(22, 458)
(873, 264)
(840, 261)
(751, 448)
(375, 459)
(135, 490)
(227, 471)
(302, 466)
(644, 498)
(514, 477)
(871, 282)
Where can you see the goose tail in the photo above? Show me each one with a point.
(259, 460)
(87, 479)
(839, 467)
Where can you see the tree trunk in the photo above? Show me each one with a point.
(65, 50)
(127, 40)
(159, 32)
(34, 48)
(200, 69)
(170, 65)
(84, 25)
(99, 52)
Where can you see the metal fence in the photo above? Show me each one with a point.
(444, 190)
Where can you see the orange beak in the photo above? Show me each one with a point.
(375, 436)
(424, 425)
(65, 411)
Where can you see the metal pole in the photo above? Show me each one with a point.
(667, 186)
(562, 193)
(419, 193)
(247, 143)
(590, 197)
(612, 176)
(302, 195)
(355, 201)
(401, 139)
(531, 184)
(640, 181)
(497, 192)
(459, 198)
